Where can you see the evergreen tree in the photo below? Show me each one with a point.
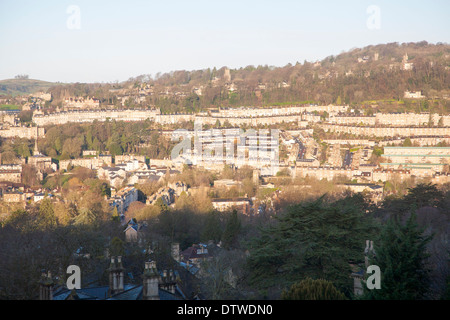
(163, 207)
(407, 142)
(231, 232)
(423, 194)
(115, 215)
(20, 220)
(117, 247)
(312, 239)
(310, 289)
(85, 217)
(47, 218)
(401, 257)
(212, 229)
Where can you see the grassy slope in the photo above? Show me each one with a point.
(23, 86)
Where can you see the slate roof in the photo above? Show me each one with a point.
(191, 252)
(131, 292)
(135, 293)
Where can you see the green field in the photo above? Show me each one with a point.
(10, 107)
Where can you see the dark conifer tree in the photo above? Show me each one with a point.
(402, 259)
(231, 232)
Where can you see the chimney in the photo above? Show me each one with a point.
(369, 250)
(151, 282)
(172, 280)
(46, 287)
(176, 251)
(112, 278)
(120, 275)
(116, 276)
(168, 281)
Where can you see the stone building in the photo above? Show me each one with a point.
(23, 132)
(387, 131)
(420, 151)
(12, 174)
(236, 116)
(82, 116)
(381, 174)
(81, 103)
(90, 163)
(38, 160)
(328, 173)
(413, 95)
(15, 196)
(240, 204)
(195, 254)
(123, 198)
(119, 159)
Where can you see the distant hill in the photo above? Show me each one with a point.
(16, 87)
(358, 76)
(373, 78)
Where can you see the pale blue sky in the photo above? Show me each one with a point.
(122, 39)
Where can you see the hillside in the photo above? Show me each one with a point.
(16, 87)
(373, 78)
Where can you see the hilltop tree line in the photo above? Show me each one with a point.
(339, 79)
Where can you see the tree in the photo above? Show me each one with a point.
(227, 172)
(212, 229)
(423, 194)
(115, 215)
(407, 142)
(401, 257)
(316, 239)
(30, 175)
(20, 220)
(24, 150)
(310, 289)
(231, 232)
(47, 218)
(62, 214)
(85, 217)
(161, 205)
(223, 275)
(117, 247)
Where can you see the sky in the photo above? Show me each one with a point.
(109, 41)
